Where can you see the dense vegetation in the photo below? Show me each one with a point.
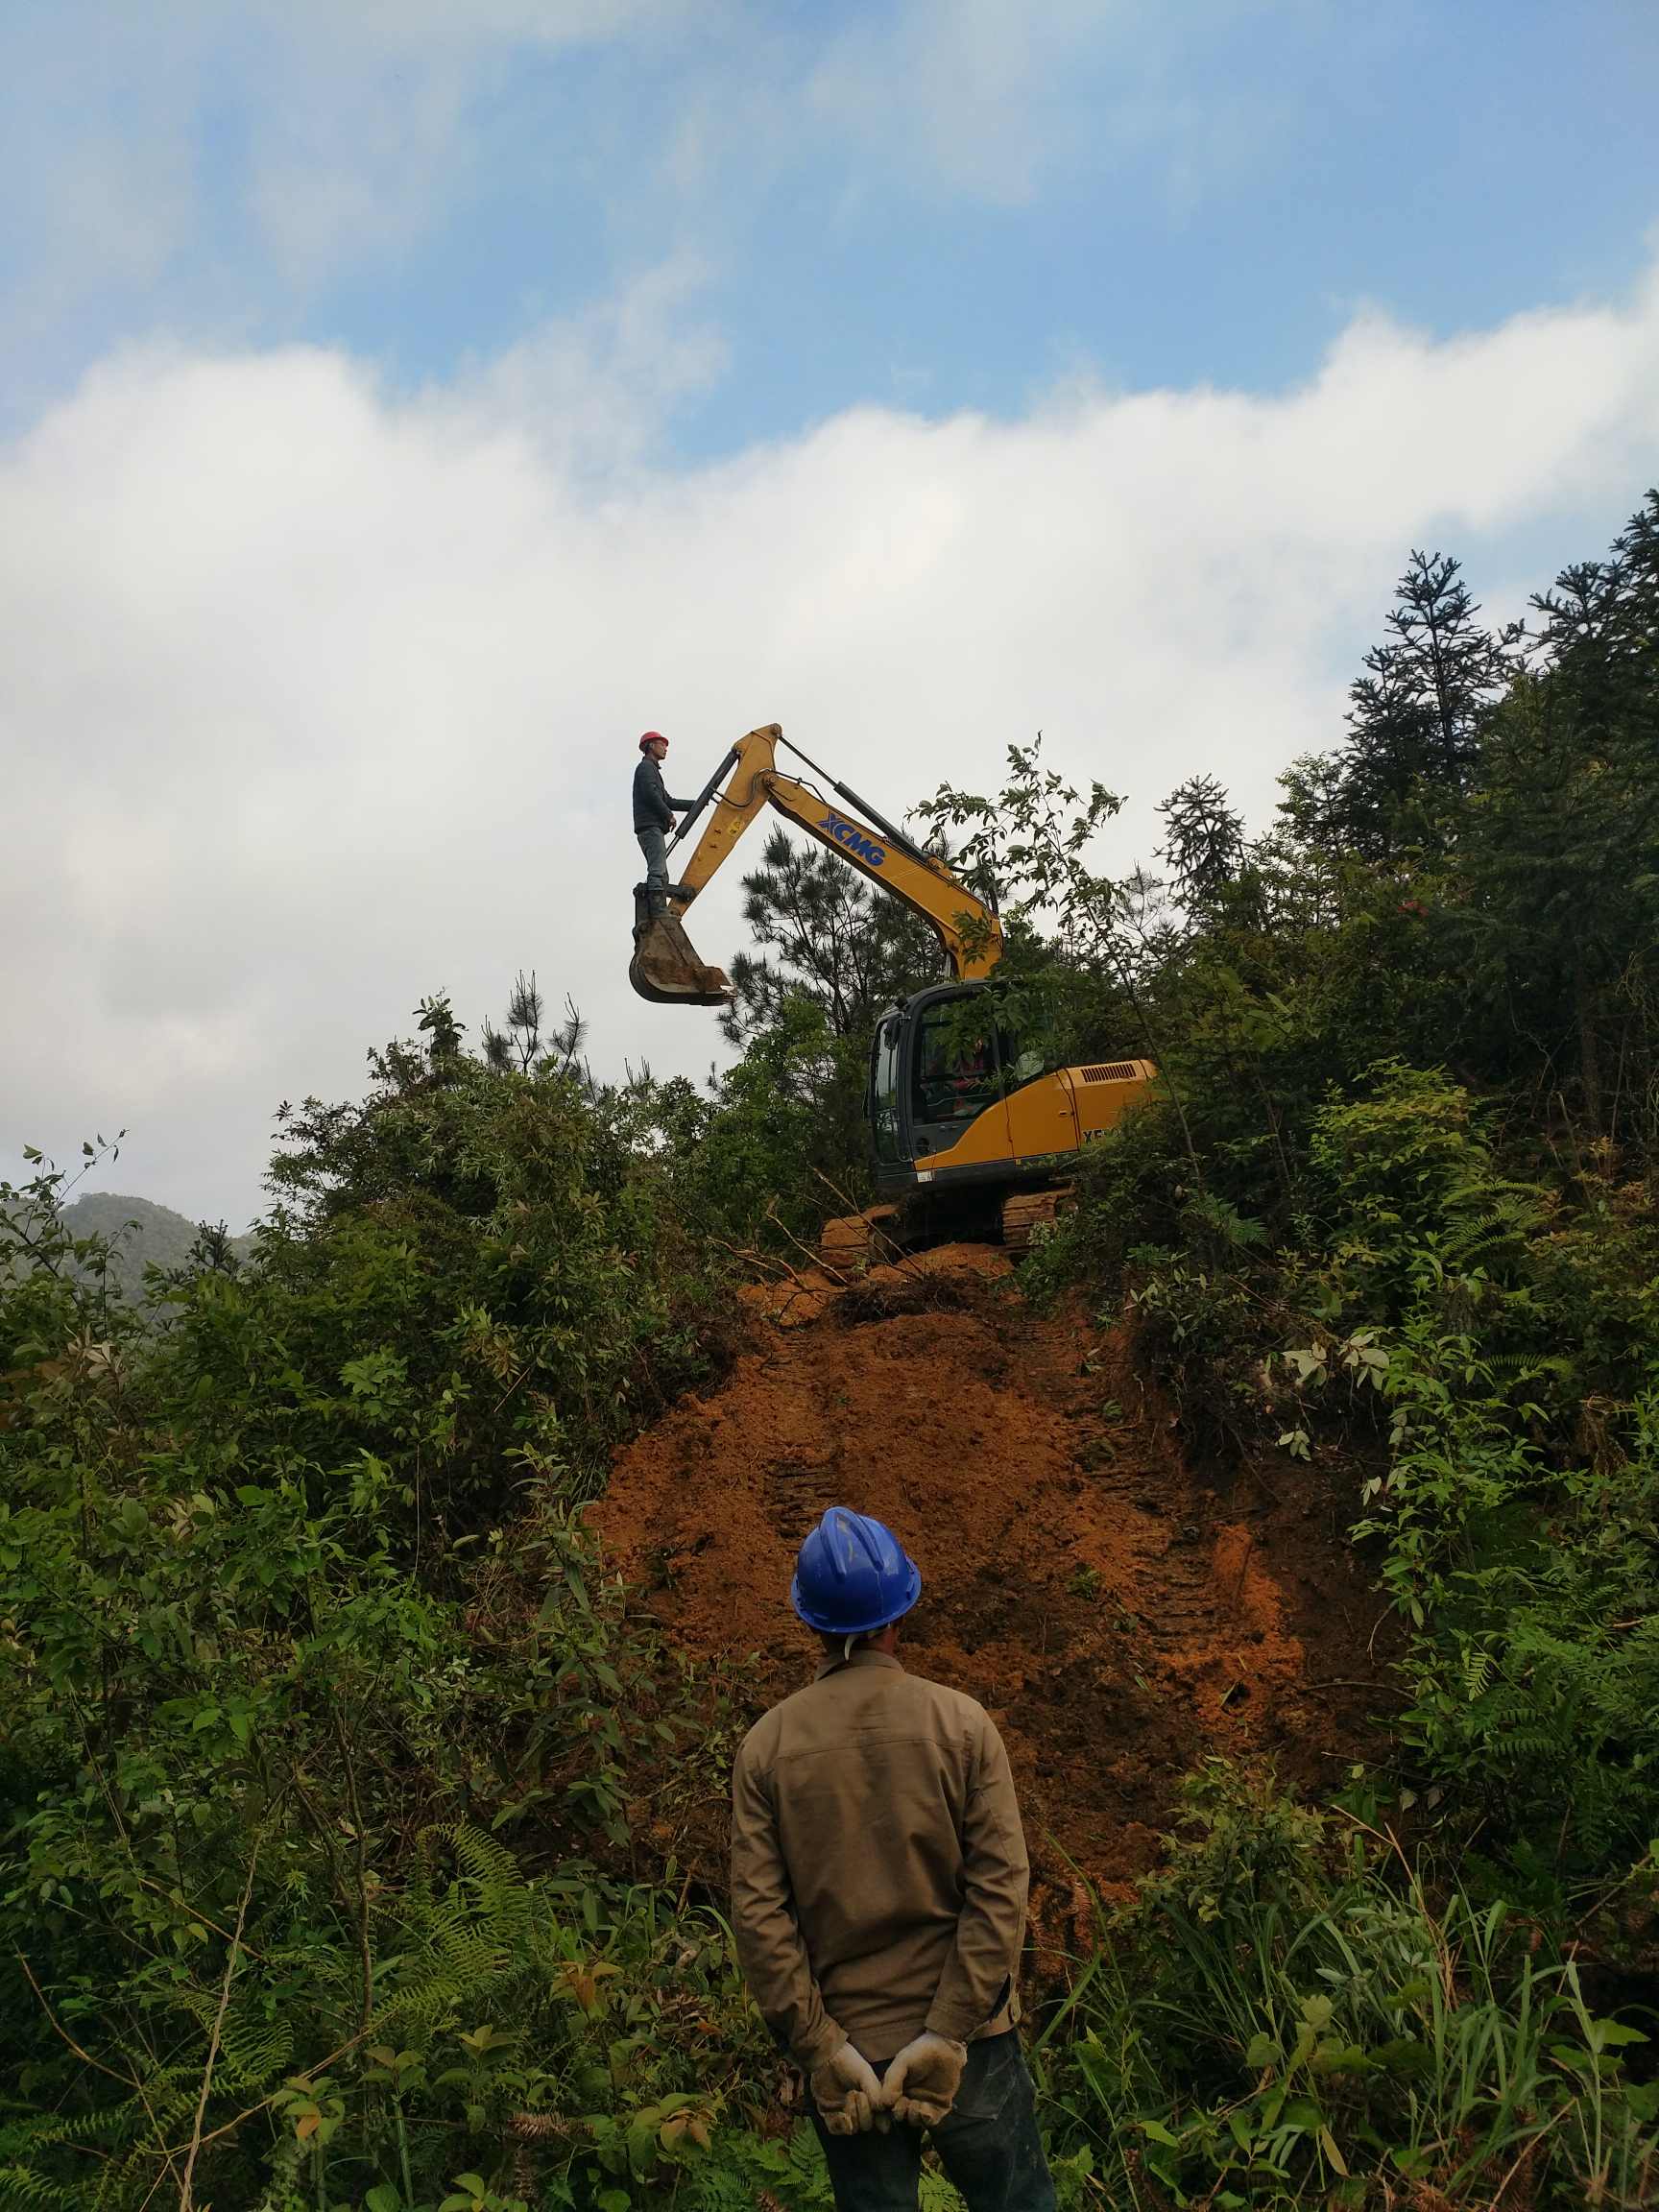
(350, 1817)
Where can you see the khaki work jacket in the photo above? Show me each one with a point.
(879, 1870)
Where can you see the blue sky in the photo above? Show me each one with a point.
(405, 403)
(928, 206)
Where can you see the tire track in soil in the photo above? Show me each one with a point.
(1120, 1612)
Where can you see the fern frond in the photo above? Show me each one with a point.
(466, 1934)
(21, 2191)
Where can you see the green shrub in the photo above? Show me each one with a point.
(1285, 2012)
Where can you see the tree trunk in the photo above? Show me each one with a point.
(1589, 1051)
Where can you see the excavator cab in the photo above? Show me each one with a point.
(934, 1070)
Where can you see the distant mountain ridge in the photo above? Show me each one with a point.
(162, 1237)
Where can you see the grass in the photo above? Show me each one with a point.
(1289, 2015)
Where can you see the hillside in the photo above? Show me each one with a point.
(377, 1623)
(1123, 1611)
(144, 1233)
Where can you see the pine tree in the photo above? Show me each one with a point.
(1413, 746)
(524, 1045)
(1205, 835)
(1560, 851)
(848, 950)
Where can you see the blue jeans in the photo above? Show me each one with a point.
(987, 2143)
(654, 844)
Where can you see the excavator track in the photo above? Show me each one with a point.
(1029, 1210)
(858, 1241)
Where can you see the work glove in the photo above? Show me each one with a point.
(846, 2092)
(922, 2082)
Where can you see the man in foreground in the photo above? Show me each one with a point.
(879, 1882)
(653, 813)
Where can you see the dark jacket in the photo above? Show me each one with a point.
(653, 808)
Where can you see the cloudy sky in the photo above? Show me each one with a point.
(403, 403)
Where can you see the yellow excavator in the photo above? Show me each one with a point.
(973, 1135)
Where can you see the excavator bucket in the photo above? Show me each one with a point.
(665, 966)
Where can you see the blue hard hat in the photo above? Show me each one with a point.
(853, 1575)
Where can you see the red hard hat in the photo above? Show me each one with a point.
(652, 738)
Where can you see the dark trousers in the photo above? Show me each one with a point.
(655, 847)
(987, 2143)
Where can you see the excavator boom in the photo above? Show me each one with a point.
(969, 1127)
(665, 966)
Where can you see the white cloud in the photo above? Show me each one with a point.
(969, 96)
(597, 391)
(224, 165)
(215, 159)
(369, 121)
(976, 99)
(312, 700)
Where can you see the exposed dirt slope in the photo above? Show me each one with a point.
(1119, 1612)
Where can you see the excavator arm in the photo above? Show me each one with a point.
(666, 968)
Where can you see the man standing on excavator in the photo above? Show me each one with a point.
(879, 1884)
(653, 813)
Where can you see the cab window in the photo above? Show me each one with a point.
(884, 1092)
(1019, 1064)
(955, 1067)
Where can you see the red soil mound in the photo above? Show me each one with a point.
(1120, 1614)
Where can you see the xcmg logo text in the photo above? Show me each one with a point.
(849, 834)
